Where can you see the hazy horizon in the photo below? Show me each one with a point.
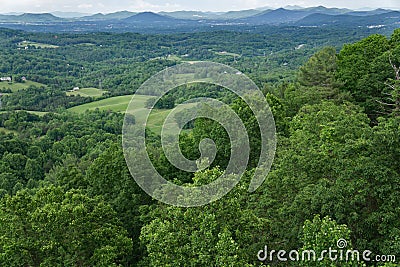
(91, 6)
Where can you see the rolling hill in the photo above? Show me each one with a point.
(111, 16)
(369, 13)
(325, 10)
(277, 16)
(150, 18)
(44, 17)
(384, 19)
(240, 14)
(192, 15)
(69, 15)
(282, 15)
(31, 17)
(120, 104)
(198, 15)
(191, 20)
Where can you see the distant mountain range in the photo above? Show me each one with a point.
(375, 20)
(278, 16)
(198, 15)
(291, 15)
(30, 17)
(68, 15)
(150, 17)
(111, 16)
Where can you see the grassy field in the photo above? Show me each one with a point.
(174, 58)
(39, 113)
(116, 104)
(85, 44)
(88, 92)
(157, 118)
(37, 45)
(120, 104)
(224, 53)
(19, 86)
(169, 57)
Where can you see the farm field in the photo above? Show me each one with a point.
(87, 92)
(224, 53)
(116, 104)
(120, 104)
(19, 86)
(36, 45)
(38, 113)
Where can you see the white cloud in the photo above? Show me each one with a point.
(85, 6)
(141, 5)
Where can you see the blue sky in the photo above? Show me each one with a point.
(93, 6)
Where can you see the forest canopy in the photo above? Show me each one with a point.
(67, 197)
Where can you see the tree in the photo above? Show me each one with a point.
(33, 170)
(7, 182)
(56, 228)
(16, 163)
(67, 175)
(322, 234)
(393, 96)
(224, 233)
(320, 69)
(317, 82)
(109, 178)
(330, 165)
(363, 69)
(355, 61)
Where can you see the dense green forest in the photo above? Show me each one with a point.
(67, 197)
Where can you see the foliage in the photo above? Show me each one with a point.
(321, 234)
(56, 228)
(224, 233)
(67, 197)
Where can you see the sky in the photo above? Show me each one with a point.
(108, 6)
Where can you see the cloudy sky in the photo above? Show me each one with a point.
(107, 6)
